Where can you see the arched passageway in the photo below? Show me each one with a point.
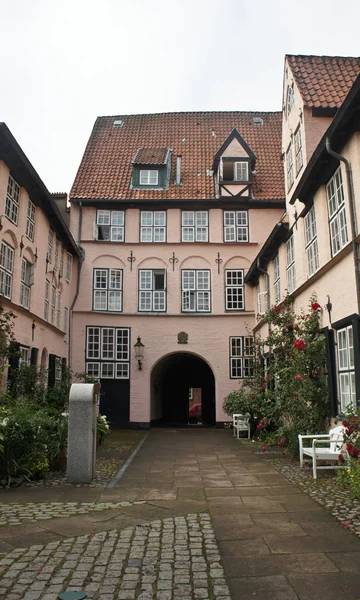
(174, 381)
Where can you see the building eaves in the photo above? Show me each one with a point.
(26, 176)
(321, 165)
(269, 250)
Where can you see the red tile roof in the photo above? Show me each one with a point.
(324, 81)
(151, 156)
(106, 168)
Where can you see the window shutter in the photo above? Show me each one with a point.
(33, 356)
(51, 370)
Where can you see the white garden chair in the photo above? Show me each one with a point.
(241, 423)
(324, 447)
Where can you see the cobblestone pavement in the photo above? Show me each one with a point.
(174, 558)
(15, 514)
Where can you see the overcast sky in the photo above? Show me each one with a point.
(65, 62)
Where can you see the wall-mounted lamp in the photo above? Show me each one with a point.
(139, 352)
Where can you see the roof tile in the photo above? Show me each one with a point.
(106, 167)
(324, 81)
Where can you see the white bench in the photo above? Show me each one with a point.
(326, 446)
(241, 423)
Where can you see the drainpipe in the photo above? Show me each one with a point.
(81, 260)
(353, 220)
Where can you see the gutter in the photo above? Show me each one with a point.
(353, 220)
(81, 260)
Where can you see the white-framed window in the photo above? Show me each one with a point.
(289, 167)
(107, 289)
(152, 290)
(58, 310)
(236, 226)
(6, 269)
(311, 244)
(53, 304)
(30, 221)
(110, 225)
(234, 289)
(12, 201)
(336, 212)
(241, 357)
(346, 368)
(195, 290)
(50, 246)
(153, 226)
(241, 170)
(277, 286)
(46, 300)
(61, 262)
(290, 265)
(298, 151)
(24, 358)
(190, 393)
(26, 276)
(108, 352)
(290, 98)
(58, 369)
(149, 177)
(69, 263)
(56, 253)
(194, 226)
(262, 301)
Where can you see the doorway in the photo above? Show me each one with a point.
(172, 378)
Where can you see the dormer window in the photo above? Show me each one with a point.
(241, 171)
(151, 168)
(235, 170)
(149, 177)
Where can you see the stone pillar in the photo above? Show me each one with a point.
(82, 432)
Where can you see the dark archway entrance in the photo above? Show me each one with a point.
(171, 379)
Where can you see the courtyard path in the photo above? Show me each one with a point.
(196, 513)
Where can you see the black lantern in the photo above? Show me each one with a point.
(139, 351)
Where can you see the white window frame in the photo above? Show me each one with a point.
(241, 167)
(12, 201)
(150, 298)
(56, 253)
(50, 246)
(58, 309)
(149, 177)
(111, 225)
(311, 243)
(236, 226)
(53, 304)
(58, 370)
(234, 289)
(290, 265)
(66, 322)
(298, 151)
(69, 264)
(277, 283)
(107, 287)
(336, 212)
(290, 98)
(194, 226)
(107, 352)
(196, 290)
(25, 285)
(153, 226)
(30, 221)
(6, 269)
(262, 302)
(46, 300)
(346, 368)
(289, 166)
(24, 358)
(241, 356)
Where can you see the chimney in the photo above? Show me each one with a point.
(178, 170)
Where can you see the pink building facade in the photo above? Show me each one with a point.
(171, 210)
(38, 264)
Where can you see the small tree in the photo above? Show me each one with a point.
(288, 389)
